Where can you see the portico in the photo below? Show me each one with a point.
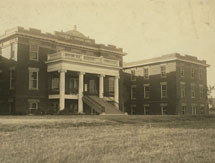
(87, 75)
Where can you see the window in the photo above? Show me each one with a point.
(33, 106)
(163, 109)
(12, 52)
(133, 92)
(193, 92)
(146, 109)
(194, 109)
(74, 85)
(108, 86)
(163, 71)
(182, 71)
(12, 78)
(163, 90)
(1, 75)
(201, 91)
(200, 73)
(146, 91)
(202, 109)
(55, 83)
(133, 75)
(133, 109)
(183, 109)
(0, 51)
(33, 78)
(34, 52)
(146, 73)
(183, 93)
(192, 73)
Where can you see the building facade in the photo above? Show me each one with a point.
(64, 71)
(171, 84)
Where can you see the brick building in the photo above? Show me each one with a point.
(170, 84)
(64, 71)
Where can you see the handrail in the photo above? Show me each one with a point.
(95, 102)
(112, 101)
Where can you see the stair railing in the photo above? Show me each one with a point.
(94, 102)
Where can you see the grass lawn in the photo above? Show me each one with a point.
(120, 139)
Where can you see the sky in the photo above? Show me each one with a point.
(143, 28)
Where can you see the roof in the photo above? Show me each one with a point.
(76, 33)
(167, 58)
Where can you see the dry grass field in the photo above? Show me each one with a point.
(120, 139)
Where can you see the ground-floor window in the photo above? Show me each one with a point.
(163, 109)
(183, 109)
(194, 109)
(33, 106)
(73, 108)
(202, 109)
(133, 109)
(146, 109)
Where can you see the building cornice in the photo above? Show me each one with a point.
(57, 41)
(163, 61)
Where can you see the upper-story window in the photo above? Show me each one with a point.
(183, 90)
(192, 72)
(34, 55)
(33, 78)
(55, 83)
(163, 71)
(201, 91)
(200, 73)
(182, 71)
(133, 92)
(163, 90)
(13, 50)
(146, 91)
(193, 91)
(12, 78)
(133, 75)
(146, 73)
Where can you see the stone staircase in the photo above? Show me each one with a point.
(101, 106)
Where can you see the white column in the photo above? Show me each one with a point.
(80, 92)
(101, 86)
(116, 89)
(62, 89)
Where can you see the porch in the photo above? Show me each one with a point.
(71, 79)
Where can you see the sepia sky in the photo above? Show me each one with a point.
(143, 28)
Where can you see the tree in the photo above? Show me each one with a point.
(211, 101)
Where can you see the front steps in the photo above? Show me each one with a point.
(101, 106)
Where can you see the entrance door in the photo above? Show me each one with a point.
(92, 87)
